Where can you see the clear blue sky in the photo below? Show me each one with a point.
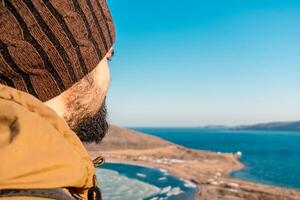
(195, 62)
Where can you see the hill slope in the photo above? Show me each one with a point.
(121, 138)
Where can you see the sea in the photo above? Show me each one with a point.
(270, 157)
(134, 182)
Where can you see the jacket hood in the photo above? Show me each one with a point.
(38, 150)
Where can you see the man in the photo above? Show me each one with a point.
(54, 75)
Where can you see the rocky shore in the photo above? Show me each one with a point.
(209, 170)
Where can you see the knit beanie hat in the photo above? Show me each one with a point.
(48, 45)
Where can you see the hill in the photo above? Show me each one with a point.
(273, 126)
(119, 138)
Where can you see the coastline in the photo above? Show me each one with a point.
(208, 170)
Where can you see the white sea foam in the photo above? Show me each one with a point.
(174, 191)
(162, 178)
(165, 190)
(141, 175)
(118, 187)
(165, 172)
(169, 191)
(188, 183)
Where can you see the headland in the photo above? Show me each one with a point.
(208, 170)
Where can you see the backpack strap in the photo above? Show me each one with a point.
(57, 194)
(94, 194)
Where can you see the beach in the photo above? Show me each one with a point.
(208, 170)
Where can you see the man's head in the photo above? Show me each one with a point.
(58, 51)
(83, 105)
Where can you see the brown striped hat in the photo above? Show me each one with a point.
(48, 45)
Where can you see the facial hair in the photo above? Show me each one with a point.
(92, 128)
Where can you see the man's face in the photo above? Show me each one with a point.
(83, 105)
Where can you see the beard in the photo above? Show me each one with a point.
(92, 128)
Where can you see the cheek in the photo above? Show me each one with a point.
(102, 77)
(102, 81)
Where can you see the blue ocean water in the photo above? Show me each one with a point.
(160, 184)
(270, 157)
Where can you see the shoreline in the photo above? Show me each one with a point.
(167, 183)
(230, 176)
(211, 183)
(210, 171)
(263, 183)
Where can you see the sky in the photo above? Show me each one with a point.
(204, 62)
